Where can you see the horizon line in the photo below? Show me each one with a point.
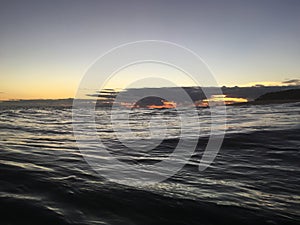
(72, 98)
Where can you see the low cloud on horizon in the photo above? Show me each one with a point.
(292, 82)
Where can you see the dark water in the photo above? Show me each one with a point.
(255, 178)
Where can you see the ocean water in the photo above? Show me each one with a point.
(255, 179)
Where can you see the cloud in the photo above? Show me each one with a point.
(292, 82)
(262, 83)
(105, 93)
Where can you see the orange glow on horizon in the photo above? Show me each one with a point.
(165, 105)
(215, 100)
(219, 100)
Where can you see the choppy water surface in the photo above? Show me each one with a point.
(254, 180)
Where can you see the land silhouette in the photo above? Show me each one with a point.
(254, 95)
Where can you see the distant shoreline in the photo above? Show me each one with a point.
(279, 97)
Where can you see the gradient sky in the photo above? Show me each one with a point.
(46, 46)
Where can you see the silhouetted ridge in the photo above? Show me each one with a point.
(292, 95)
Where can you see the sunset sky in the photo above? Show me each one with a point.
(46, 46)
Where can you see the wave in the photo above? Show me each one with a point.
(254, 179)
